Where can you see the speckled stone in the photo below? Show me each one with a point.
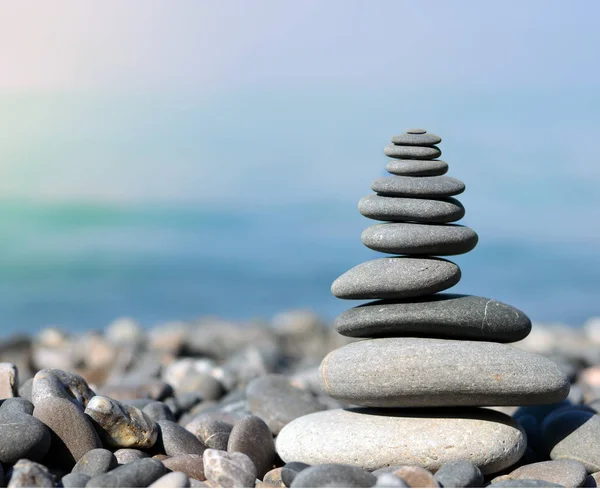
(190, 464)
(95, 462)
(139, 473)
(21, 435)
(396, 278)
(440, 315)
(127, 455)
(273, 478)
(460, 473)
(411, 139)
(334, 475)
(172, 479)
(26, 473)
(75, 479)
(412, 152)
(408, 238)
(274, 399)
(120, 425)
(429, 372)
(567, 473)
(229, 469)
(252, 436)
(405, 209)
(176, 440)
(419, 187)
(372, 439)
(417, 168)
(574, 435)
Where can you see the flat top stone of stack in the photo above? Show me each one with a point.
(408, 238)
(417, 168)
(419, 187)
(412, 152)
(412, 139)
(374, 438)
(430, 372)
(416, 131)
(396, 278)
(440, 315)
(401, 209)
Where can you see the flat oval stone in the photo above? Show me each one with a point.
(252, 436)
(417, 168)
(408, 238)
(412, 139)
(420, 187)
(334, 475)
(416, 131)
(274, 399)
(440, 316)
(412, 152)
(396, 278)
(567, 473)
(428, 372)
(373, 439)
(406, 209)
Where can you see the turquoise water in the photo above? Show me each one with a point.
(79, 266)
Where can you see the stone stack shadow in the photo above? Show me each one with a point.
(416, 385)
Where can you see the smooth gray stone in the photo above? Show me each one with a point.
(229, 469)
(158, 410)
(334, 475)
(408, 238)
(274, 399)
(419, 187)
(417, 168)
(252, 436)
(25, 389)
(574, 435)
(290, 470)
(21, 435)
(406, 209)
(176, 440)
(396, 278)
(416, 131)
(172, 479)
(26, 473)
(75, 479)
(190, 464)
(388, 479)
(214, 433)
(440, 316)
(567, 473)
(429, 372)
(460, 473)
(128, 455)
(52, 382)
(412, 139)
(412, 152)
(375, 438)
(524, 483)
(139, 473)
(95, 462)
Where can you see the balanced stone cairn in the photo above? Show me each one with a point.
(416, 386)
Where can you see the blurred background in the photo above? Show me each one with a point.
(169, 160)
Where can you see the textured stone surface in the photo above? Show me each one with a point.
(26, 473)
(139, 473)
(408, 238)
(214, 433)
(190, 464)
(406, 209)
(411, 139)
(21, 435)
(419, 187)
(460, 473)
(95, 462)
(574, 435)
(417, 168)
(412, 152)
(127, 455)
(273, 478)
(396, 278)
(252, 436)
(176, 440)
(274, 399)
(567, 473)
(9, 380)
(428, 372)
(439, 315)
(334, 475)
(372, 439)
(229, 469)
(120, 425)
(172, 479)
(75, 479)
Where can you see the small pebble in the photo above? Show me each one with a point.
(212, 432)
(252, 436)
(75, 479)
(459, 474)
(567, 473)
(176, 440)
(127, 455)
(190, 464)
(229, 469)
(388, 479)
(273, 478)
(26, 473)
(95, 462)
(524, 483)
(416, 476)
(290, 470)
(172, 479)
(334, 475)
(158, 411)
(139, 473)
(9, 380)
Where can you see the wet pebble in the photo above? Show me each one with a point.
(252, 436)
(229, 469)
(139, 473)
(334, 475)
(95, 462)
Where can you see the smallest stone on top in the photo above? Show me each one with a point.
(415, 144)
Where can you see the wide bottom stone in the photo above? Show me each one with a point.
(376, 438)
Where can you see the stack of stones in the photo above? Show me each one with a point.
(416, 386)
